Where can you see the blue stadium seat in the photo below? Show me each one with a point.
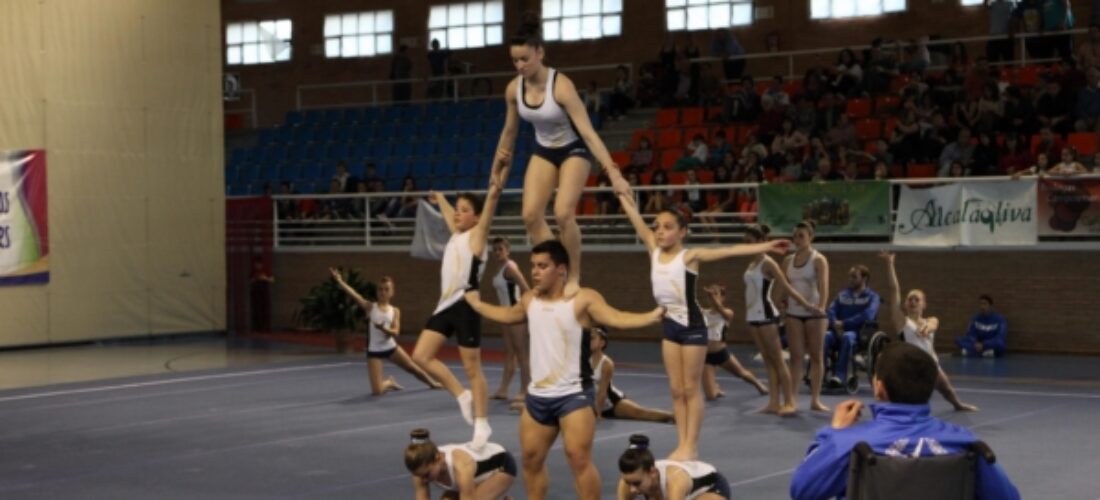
(493, 126)
(444, 167)
(443, 183)
(267, 173)
(449, 128)
(302, 134)
(239, 155)
(293, 118)
(353, 115)
(285, 134)
(290, 171)
(334, 115)
(428, 130)
(315, 151)
(465, 183)
(371, 114)
(402, 149)
(433, 111)
(342, 133)
(423, 169)
(424, 148)
(313, 117)
(393, 169)
(453, 112)
(360, 151)
(489, 145)
(514, 181)
(384, 132)
(380, 150)
(496, 108)
(446, 148)
(470, 147)
(407, 130)
(471, 128)
(476, 108)
(238, 190)
(322, 134)
(256, 155)
(356, 169)
(267, 136)
(362, 133)
(296, 152)
(410, 113)
(468, 167)
(338, 151)
(391, 114)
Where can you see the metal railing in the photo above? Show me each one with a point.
(610, 232)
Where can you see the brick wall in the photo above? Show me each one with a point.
(643, 25)
(1049, 309)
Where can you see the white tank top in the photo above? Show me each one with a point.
(927, 344)
(614, 395)
(507, 290)
(758, 294)
(804, 280)
(715, 324)
(559, 346)
(379, 340)
(703, 476)
(674, 288)
(481, 456)
(553, 128)
(460, 271)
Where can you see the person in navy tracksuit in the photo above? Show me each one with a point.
(850, 310)
(986, 335)
(902, 425)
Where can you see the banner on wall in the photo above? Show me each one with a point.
(974, 213)
(24, 231)
(856, 208)
(1069, 207)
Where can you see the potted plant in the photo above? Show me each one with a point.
(327, 308)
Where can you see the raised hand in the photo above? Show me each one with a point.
(780, 247)
(618, 182)
(846, 414)
(336, 275)
(887, 256)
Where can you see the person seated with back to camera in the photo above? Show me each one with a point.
(902, 425)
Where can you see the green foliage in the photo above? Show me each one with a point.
(328, 308)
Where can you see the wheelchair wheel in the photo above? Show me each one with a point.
(874, 346)
(852, 385)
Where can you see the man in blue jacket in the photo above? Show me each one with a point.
(902, 425)
(850, 310)
(986, 335)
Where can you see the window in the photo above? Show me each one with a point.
(257, 42)
(359, 34)
(971, 3)
(568, 20)
(467, 25)
(707, 14)
(840, 9)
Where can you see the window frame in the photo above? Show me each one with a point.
(491, 29)
(607, 17)
(340, 38)
(856, 15)
(243, 45)
(687, 10)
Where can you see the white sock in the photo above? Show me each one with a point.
(465, 404)
(482, 431)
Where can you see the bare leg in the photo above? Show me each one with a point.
(943, 385)
(692, 357)
(670, 351)
(629, 410)
(509, 363)
(471, 364)
(769, 366)
(402, 360)
(796, 343)
(577, 430)
(520, 342)
(710, 384)
(535, 441)
(427, 346)
(538, 185)
(571, 179)
(374, 370)
(494, 487)
(815, 345)
(773, 355)
(733, 366)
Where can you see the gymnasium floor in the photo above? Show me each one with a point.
(211, 419)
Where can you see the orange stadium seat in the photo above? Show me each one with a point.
(1084, 142)
(669, 138)
(667, 117)
(691, 116)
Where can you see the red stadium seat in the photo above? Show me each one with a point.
(922, 170)
(885, 104)
(692, 116)
(637, 136)
(858, 108)
(869, 129)
(669, 138)
(621, 158)
(689, 134)
(669, 157)
(667, 117)
(1084, 142)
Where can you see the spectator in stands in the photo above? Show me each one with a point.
(753, 145)
(788, 138)
(642, 158)
(606, 201)
(694, 198)
(966, 112)
(1095, 164)
(747, 205)
(985, 159)
(1040, 168)
(1088, 102)
(882, 67)
(1019, 114)
(710, 87)
(1058, 16)
(825, 170)
(370, 173)
(905, 139)
(1029, 20)
(719, 148)
(360, 205)
(695, 155)
(976, 79)
(936, 134)
(660, 199)
(634, 180)
(1048, 143)
(287, 208)
(961, 151)
(742, 105)
(848, 75)
(378, 205)
(593, 103)
(803, 114)
(986, 334)
(792, 169)
(405, 206)
(901, 424)
(956, 170)
(622, 94)
(770, 120)
(401, 69)
(854, 307)
(991, 109)
(1014, 155)
(1088, 52)
(1000, 48)
(335, 208)
(881, 172)
(342, 176)
(1054, 105)
(850, 172)
(438, 61)
(667, 56)
(690, 54)
(1069, 164)
(958, 59)
(777, 93)
(726, 46)
(685, 87)
(843, 134)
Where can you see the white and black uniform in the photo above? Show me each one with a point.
(614, 395)
(461, 272)
(491, 458)
(506, 288)
(674, 288)
(561, 371)
(556, 138)
(804, 280)
(380, 344)
(926, 344)
(704, 478)
(759, 309)
(716, 332)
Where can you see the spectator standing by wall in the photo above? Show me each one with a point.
(1000, 49)
(726, 45)
(401, 69)
(438, 60)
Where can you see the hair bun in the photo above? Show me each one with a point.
(766, 229)
(418, 436)
(530, 23)
(639, 442)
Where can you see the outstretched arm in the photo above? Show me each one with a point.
(480, 236)
(594, 304)
(445, 208)
(505, 315)
(364, 303)
(719, 253)
(606, 372)
(640, 227)
(893, 292)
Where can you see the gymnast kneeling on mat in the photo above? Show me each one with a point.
(460, 470)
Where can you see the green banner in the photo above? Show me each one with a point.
(838, 208)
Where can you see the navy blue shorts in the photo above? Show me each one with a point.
(773, 321)
(381, 354)
(721, 486)
(547, 411)
(557, 156)
(684, 335)
(718, 358)
(459, 320)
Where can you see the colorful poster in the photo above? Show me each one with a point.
(968, 213)
(838, 208)
(1069, 207)
(24, 230)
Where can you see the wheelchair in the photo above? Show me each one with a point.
(869, 342)
(944, 477)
